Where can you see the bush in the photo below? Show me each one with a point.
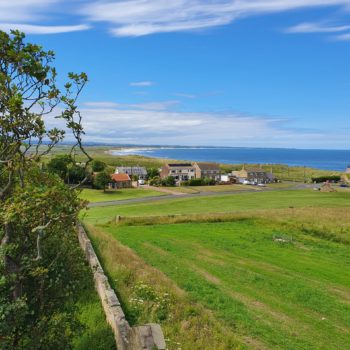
(332, 178)
(169, 181)
(101, 180)
(97, 165)
(199, 182)
(156, 181)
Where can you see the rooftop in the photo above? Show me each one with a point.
(120, 177)
(208, 166)
(173, 165)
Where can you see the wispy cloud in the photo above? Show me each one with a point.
(317, 28)
(101, 104)
(144, 17)
(343, 37)
(24, 10)
(36, 29)
(128, 124)
(35, 17)
(181, 94)
(155, 106)
(142, 83)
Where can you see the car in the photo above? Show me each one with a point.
(344, 185)
(262, 185)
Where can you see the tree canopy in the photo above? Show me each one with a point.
(40, 263)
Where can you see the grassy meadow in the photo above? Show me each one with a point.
(246, 270)
(93, 196)
(222, 204)
(262, 270)
(253, 282)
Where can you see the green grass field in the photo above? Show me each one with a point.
(222, 204)
(270, 274)
(217, 189)
(284, 295)
(115, 195)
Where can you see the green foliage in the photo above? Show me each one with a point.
(43, 309)
(169, 181)
(152, 172)
(42, 269)
(63, 165)
(76, 174)
(98, 165)
(333, 178)
(199, 182)
(144, 299)
(59, 165)
(156, 181)
(101, 180)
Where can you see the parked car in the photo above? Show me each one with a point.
(141, 182)
(262, 185)
(344, 185)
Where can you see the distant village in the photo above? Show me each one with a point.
(180, 174)
(194, 174)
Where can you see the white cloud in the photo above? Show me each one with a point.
(155, 106)
(29, 16)
(141, 83)
(343, 37)
(182, 94)
(144, 17)
(24, 10)
(137, 126)
(316, 28)
(35, 29)
(100, 104)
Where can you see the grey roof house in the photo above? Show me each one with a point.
(138, 171)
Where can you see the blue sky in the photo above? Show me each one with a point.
(261, 73)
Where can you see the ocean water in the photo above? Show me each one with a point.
(320, 159)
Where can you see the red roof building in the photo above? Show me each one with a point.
(121, 181)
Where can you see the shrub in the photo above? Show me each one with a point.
(98, 165)
(331, 178)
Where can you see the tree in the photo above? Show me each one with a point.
(59, 165)
(98, 165)
(152, 172)
(40, 264)
(101, 180)
(76, 174)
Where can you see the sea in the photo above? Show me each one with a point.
(337, 160)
